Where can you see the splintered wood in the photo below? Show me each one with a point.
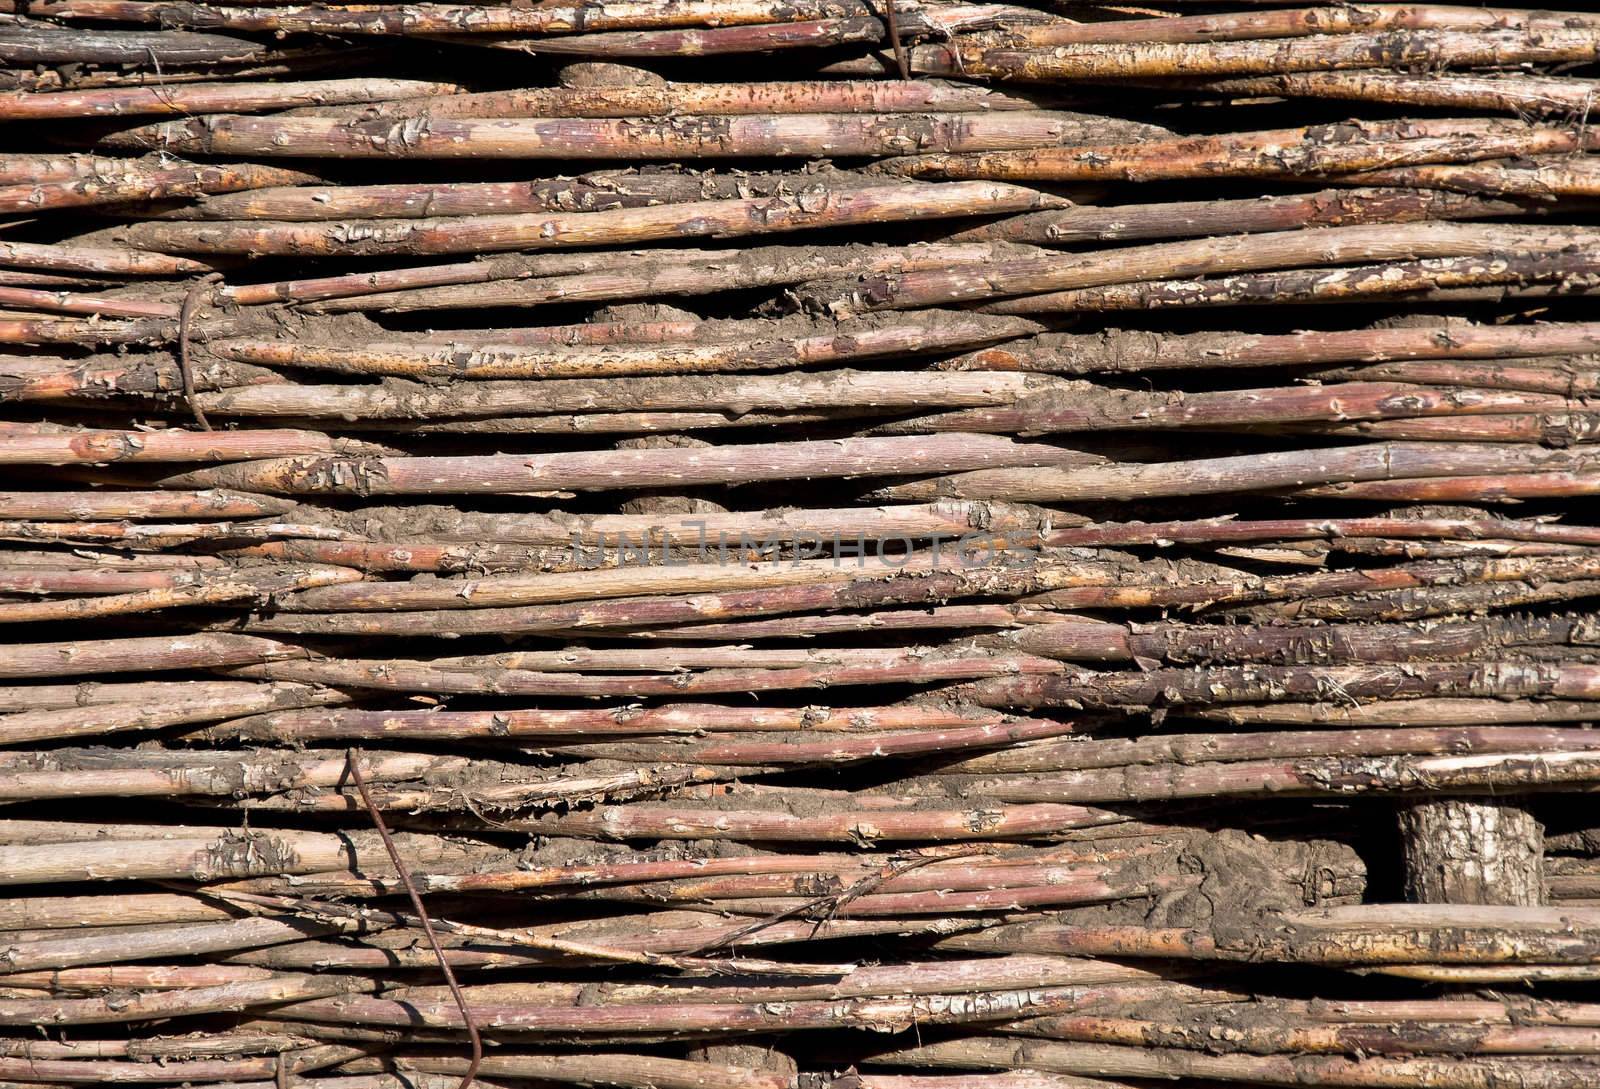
(821, 544)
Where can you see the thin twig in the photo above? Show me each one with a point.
(353, 761)
(327, 910)
(894, 39)
(185, 368)
(824, 908)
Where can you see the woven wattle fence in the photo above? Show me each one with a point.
(835, 544)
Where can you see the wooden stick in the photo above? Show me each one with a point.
(42, 168)
(457, 19)
(203, 776)
(173, 941)
(104, 260)
(620, 226)
(1289, 23)
(292, 63)
(658, 99)
(1118, 351)
(592, 192)
(62, 302)
(925, 869)
(1553, 374)
(38, 697)
(1253, 684)
(1182, 219)
(1503, 582)
(1421, 712)
(67, 506)
(99, 378)
(1521, 94)
(1230, 530)
(151, 183)
(60, 45)
(1136, 1062)
(484, 361)
(667, 719)
(895, 669)
(1360, 148)
(191, 1001)
(1536, 179)
(843, 389)
(600, 191)
(92, 580)
(151, 653)
(95, 447)
(475, 1039)
(1368, 934)
(174, 706)
(1535, 41)
(1548, 429)
(621, 1069)
(223, 1070)
(1177, 753)
(1488, 488)
(1099, 641)
(88, 332)
(612, 469)
(709, 532)
(645, 274)
(723, 1018)
(938, 618)
(716, 41)
(231, 589)
(1256, 1028)
(214, 98)
(1493, 773)
(131, 852)
(1081, 406)
(1206, 256)
(1399, 280)
(726, 136)
(1289, 469)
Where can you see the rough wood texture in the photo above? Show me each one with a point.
(483, 612)
(1470, 851)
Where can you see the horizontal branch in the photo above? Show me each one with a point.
(104, 260)
(69, 506)
(660, 99)
(480, 360)
(1100, 641)
(1080, 407)
(1360, 149)
(1260, 683)
(1148, 1062)
(1521, 94)
(1198, 218)
(582, 277)
(458, 19)
(1532, 40)
(782, 135)
(167, 705)
(612, 469)
(732, 218)
(213, 98)
(102, 447)
(175, 179)
(1273, 471)
(666, 719)
(591, 192)
(1409, 280)
(1205, 256)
